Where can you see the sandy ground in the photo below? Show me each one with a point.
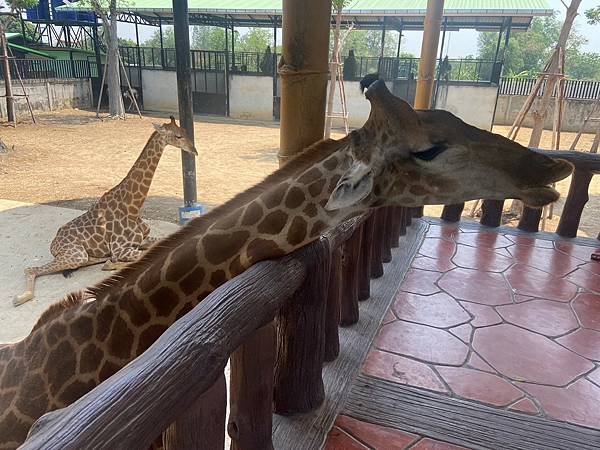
(70, 158)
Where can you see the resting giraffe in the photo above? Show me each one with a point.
(112, 230)
(399, 157)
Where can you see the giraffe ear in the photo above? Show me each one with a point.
(355, 185)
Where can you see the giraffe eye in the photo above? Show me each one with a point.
(430, 153)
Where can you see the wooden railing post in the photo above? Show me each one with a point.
(251, 392)
(364, 269)
(386, 242)
(397, 225)
(376, 244)
(350, 282)
(332, 317)
(452, 213)
(298, 385)
(203, 425)
(574, 204)
(530, 219)
(491, 212)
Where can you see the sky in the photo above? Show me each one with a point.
(458, 43)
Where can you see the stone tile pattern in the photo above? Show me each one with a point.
(509, 321)
(352, 434)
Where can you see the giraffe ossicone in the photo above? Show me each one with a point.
(399, 157)
(111, 231)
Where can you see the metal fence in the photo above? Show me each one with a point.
(574, 89)
(41, 69)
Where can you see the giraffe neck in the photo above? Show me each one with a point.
(136, 184)
(82, 341)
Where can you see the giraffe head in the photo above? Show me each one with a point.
(413, 158)
(176, 136)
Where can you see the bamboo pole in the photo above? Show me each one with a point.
(303, 69)
(431, 37)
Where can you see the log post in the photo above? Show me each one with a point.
(386, 242)
(452, 213)
(251, 392)
(576, 200)
(350, 282)
(332, 318)
(491, 213)
(530, 219)
(203, 425)
(376, 245)
(396, 212)
(298, 386)
(407, 216)
(402, 217)
(364, 268)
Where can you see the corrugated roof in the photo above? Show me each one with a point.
(31, 51)
(370, 13)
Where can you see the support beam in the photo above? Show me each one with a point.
(303, 69)
(160, 33)
(439, 72)
(399, 40)
(382, 49)
(184, 95)
(431, 36)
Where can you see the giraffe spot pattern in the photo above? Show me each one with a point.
(60, 365)
(120, 339)
(164, 300)
(310, 175)
(76, 390)
(192, 281)
(331, 163)
(295, 198)
(148, 336)
(104, 321)
(310, 210)
(317, 228)
(218, 278)
(134, 308)
(107, 370)
(273, 198)
(220, 248)
(252, 214)
(273, 223)
(186, 256)
(89, 358)
(259, 249)
(297, 231)
(316, 188)
(81, 329)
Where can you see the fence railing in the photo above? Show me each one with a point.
(308, 293)
(574, 89)
(40, 69)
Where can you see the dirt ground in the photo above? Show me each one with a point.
(70, 158)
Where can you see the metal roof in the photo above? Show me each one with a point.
(478, 14)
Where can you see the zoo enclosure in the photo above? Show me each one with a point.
(275, 366)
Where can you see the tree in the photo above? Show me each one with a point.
(368, 43)
(15, 8)
(593, 15)
(255, 40)
(168, 38)
(107, 11)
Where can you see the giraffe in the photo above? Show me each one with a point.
(111, 231)
(399, 157)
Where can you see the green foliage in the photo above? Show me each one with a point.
(255, 40)
(168, 38)
(124, 42)
(593, 15)
(368, 43)
(528, 52)
(208, 38)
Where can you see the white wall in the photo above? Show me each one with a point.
(473, 104)
(51, 95)
(251, 97)
(160, 90)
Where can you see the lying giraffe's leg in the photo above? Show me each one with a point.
(74, 258)
(122, 257)
(148, 241)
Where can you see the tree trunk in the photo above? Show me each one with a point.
(10, 101)
(333, 71)
(113, 74)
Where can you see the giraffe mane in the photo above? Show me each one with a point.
(308, 156)
(54, 310)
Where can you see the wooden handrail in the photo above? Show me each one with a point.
(148, 394)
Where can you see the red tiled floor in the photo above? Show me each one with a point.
(422, 342)
(481, 259)
(522, 355)
(475, 286)
(525, 405)
(374, 436)
(480, 386)
(437, 310)
(542, 316)
(587, 308)
(437, 248)
(584, 342)
(420, 282)
(532, 328)
(576, 404)
(340, 440)
(483, 316)
(402, 370)
(585, 279)
(537, 283)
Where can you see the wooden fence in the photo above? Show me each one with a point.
(278, 322)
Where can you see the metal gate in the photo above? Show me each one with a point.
(209, 82)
